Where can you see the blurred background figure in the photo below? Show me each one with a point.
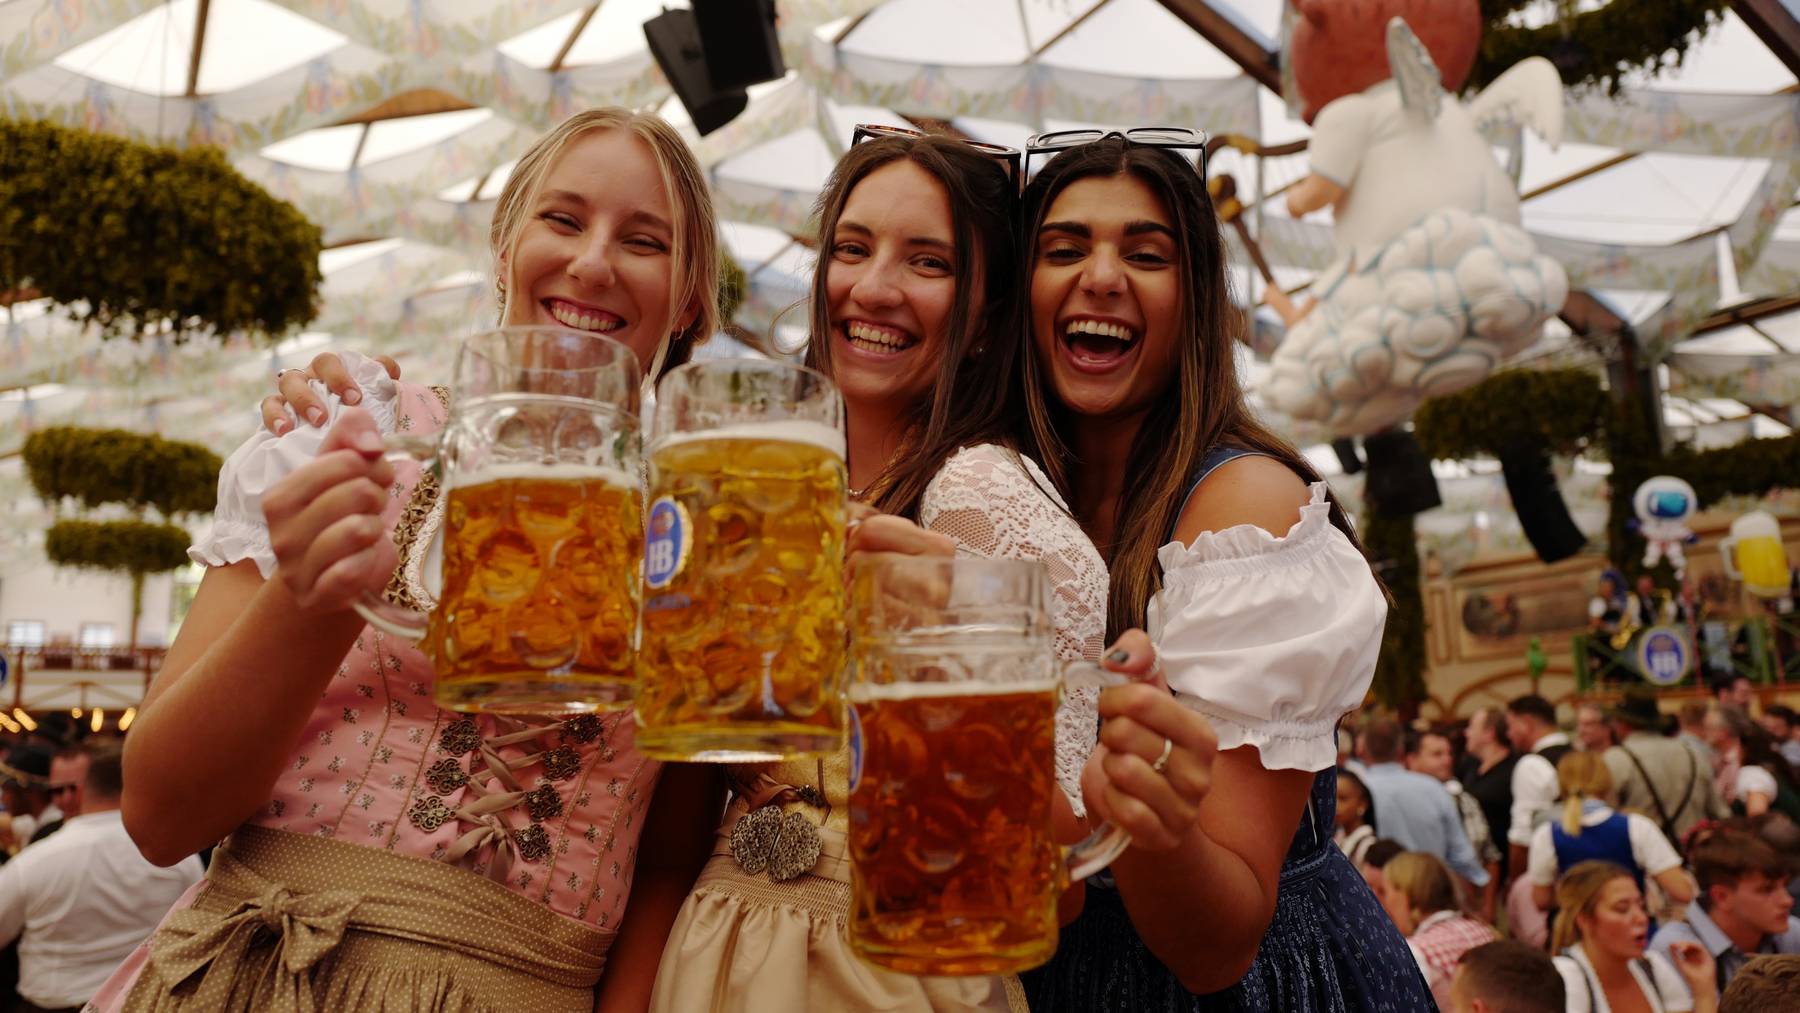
(81, 900)
(1429, 753)
(1599, 939)
(1656, 775)
(1421, 896)
(1506, 977)
(1590, 830)
(1355, 817)
(1744, 908)
(1415, 809)
(1486, 772)
(1753, 777)
(1766, 985)
(1783, 725)
(1592, 731)
(25, 792)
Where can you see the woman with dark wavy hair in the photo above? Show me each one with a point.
(1224, 544)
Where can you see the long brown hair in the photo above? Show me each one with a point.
(694, 256)
(974, 396)
(1577, 894)
(1203, 405)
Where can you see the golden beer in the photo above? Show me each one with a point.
(953, 869)
(742, 633)
(540, 578)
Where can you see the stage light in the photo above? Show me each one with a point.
(75, 712)
(25, 719)
(99, 720)
(127, 718)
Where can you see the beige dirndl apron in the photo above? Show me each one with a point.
(292, 923)
(748, 944)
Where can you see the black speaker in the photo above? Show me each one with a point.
(1539, 504)
(738, 37)
(674, 38)
(1345, 449)
(1400, 481)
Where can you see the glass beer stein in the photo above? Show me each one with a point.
(742, 639)
(537, 587)
(954, 688)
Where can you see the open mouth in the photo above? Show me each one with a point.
(876, 339)
(1098, 344)
(583, 318)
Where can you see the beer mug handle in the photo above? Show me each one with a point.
(1098, 849)
(1728, 555)
(381, 613)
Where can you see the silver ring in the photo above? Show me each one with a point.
(283, 372)
(1162, 762)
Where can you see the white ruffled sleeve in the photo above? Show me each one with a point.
(998, 504)
(1272, 639)
(238, 530)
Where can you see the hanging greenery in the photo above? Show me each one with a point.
(95, 466)
(1559, 409)
(1751, 468)
(1400, 669)
(733, 286)
(134, 548)
(132, 237)
(1599, 47)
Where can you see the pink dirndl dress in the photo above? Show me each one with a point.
(381, 766)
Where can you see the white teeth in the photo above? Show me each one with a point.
(583, 321)
(1117, 332)
(875, 335)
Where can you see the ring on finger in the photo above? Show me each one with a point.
(284, 372)
(1161, 763)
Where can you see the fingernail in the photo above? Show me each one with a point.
(353, 396)
(282, 426)
(1118, 657)
(368, 443)
(316, 416)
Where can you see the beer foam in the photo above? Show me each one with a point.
(873, 691)
(543, 473)
(818, 434)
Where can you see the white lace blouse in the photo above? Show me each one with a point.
(996, 503)
(1272, 639)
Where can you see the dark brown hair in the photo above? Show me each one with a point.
(974, 397)
(1512, 977)
(1725, 856)
(1767, 984)
(1203, 404)
(106, 771)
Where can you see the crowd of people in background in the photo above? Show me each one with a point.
(76, 896)
(1647, 861)
(1725, 644)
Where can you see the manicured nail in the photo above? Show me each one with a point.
(1118, 657)
(316, 416)
(353, 396)
(368, 443)
(282, 426)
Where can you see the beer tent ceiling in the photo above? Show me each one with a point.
(1660, 202)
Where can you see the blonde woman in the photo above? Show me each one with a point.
(381, 852)
(1600, 936)
(1419, 893)
(1590, 830)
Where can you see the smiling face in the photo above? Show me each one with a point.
(890, 283)
(593, 250)
(1106, 296)
(1618, 924)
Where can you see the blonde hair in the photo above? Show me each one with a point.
(1577, 893)
(694, 253)
(1425, 881)
(1581, 776)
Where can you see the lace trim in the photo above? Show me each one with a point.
(997, 503)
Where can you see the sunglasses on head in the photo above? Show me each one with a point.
(1000, 152)
(1173, 138)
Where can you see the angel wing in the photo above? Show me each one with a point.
(1530, 94)
(1410, 63)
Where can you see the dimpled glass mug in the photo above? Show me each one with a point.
(742, 637)
(955, 685)
(537, 588)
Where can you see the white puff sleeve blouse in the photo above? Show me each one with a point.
(238, 529)
(1272, 639)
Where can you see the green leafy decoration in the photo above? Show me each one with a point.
(96, 466)
(1559, 409)
(130, 547)
(131, 237)
(1597, 48)
(733, 286)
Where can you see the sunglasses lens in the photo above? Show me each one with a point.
(1164, 135)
